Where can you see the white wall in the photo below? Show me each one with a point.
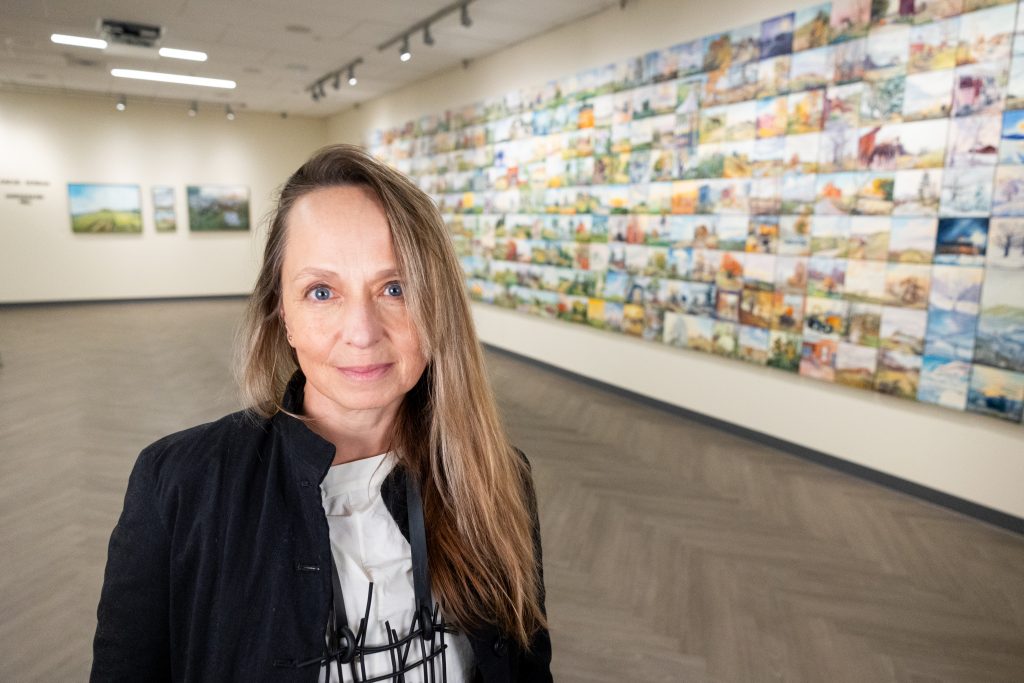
(62, 139)
(976, 458)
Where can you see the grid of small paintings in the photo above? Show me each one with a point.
(836, 192)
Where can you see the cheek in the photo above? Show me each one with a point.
(403, 336)
(311, 333)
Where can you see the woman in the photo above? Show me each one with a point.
(366, 516)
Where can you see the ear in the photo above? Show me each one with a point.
(287, 333)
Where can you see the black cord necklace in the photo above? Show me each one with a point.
(423, 647)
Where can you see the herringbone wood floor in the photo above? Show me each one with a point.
(673, 551)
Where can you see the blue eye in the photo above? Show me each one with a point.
(393, 289)
(321, 293)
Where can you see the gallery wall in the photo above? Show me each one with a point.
(933, 447)
(48, 141)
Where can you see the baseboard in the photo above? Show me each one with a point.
(141, 300)
(982, 513)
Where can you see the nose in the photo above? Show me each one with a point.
(360, 324)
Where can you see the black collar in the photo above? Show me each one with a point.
(316, 453)
(304, 446)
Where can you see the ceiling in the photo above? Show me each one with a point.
(273, 50)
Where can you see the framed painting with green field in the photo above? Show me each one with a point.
(213, 208)
(98, 208)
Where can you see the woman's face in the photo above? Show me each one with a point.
(344, 307)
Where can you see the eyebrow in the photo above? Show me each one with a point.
(323, 273)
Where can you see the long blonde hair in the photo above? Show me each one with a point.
(477, 506)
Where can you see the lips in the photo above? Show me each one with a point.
(365, 372)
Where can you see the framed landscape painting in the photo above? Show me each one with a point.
(218, 207)
(104, 208)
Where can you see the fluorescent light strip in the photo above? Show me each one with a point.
(175, 53)
(78, 41)
(172, 78)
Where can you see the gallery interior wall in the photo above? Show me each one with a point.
(979, 460)
(57, 139)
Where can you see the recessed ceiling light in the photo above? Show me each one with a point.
(191, 55)
(78, 41)
(172, 78)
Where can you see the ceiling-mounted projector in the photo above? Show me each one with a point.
(130, 33)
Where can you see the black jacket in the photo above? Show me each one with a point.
(219, 567)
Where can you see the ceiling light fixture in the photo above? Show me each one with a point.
(426, 24)
(173, 78)
(122, 103)
(337, 80)
(78, 41)
(352, 80)
(191, 55)
(193, 109)
(229, 113)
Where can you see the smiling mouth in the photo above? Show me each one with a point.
(365, 372)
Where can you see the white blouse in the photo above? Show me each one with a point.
(368, 546)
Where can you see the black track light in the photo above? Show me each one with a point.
(404, 54)
(428, 39)
(466, 21)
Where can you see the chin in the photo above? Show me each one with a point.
(359, 396)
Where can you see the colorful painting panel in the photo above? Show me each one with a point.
(961, 241)
(1000, 336)
(944, 382)
(933, 46)
(777, 36)
(912, 240)
(1005, 248)
(995, 392)
(856, 365)
(784, 350)
(813, 27)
